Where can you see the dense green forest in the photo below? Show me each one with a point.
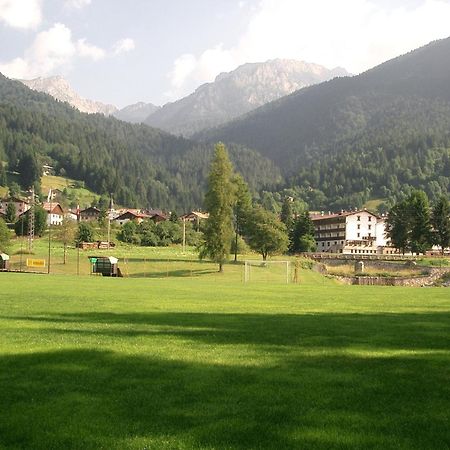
(140, 165)
(376, 135)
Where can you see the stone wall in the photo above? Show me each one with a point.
(427, 280)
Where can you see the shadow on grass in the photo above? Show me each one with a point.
(180, 273)
(308, 395)
(383, 330)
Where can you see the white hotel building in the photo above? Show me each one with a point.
(351, 232)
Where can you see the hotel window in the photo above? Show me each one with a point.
(370, 227)
(359, 226)
(358, 218)
(370, 219)
(328, 244)
(358, 235)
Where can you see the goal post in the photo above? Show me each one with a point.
(267, 271)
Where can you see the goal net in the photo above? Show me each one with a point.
(267, 271)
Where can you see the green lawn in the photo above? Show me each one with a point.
(206, 363)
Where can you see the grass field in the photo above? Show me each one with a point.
(207, 362)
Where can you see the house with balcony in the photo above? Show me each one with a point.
(350, 232)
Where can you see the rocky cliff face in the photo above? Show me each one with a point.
(136, 113)
(238, 92)
(60, 89)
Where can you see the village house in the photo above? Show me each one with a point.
(71, 215)
(20, 205)
(55, 213)
(195, 217)
(134, 215)
(157, 215)
(88, 214)
(350, 232)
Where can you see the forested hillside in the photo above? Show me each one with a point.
(138, 164)
(351, 139)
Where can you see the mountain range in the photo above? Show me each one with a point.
(140, 165)
(335, 144)
(238, 92)
(353, 138)
(60, 89)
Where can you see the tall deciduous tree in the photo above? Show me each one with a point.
(440, 220)
(66, 233)
(85, 233)
(242, 209)
(267, 235)
(219, 201)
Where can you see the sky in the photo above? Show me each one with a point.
(122, 52)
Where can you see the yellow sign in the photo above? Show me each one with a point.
(35, 262)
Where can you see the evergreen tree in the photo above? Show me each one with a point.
(4, 236)
(10, 215)
(440, 220)
(420, 235)
(302, 236)
(40, 222)
(29, 169)
(242, 209)
(286, 213)
(3, 177)
(219, 202)
(398, 226)
(267, 235)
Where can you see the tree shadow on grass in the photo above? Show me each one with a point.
(94, 399)
(407, 331)
(179, 273)
(320, 381)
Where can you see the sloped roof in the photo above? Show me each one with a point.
(341, 214)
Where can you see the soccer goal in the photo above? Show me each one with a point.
(267, 271)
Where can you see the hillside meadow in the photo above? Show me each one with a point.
(200, 360)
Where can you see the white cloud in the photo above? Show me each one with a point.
(21, 13)
(355, 34)
(77, 4)
(123, 46)
(51, 52)
(87, 50)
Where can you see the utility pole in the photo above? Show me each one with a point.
(184, 235)
(109, 218)
(31, 221)
(49, 232)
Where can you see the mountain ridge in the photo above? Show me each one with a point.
(237, 92)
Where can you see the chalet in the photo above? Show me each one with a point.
(55, 213)
(131, 215)
(71, 215)
(91, 213)
(195, 217)
(350, 232)
(157, 216)
(20, 205)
